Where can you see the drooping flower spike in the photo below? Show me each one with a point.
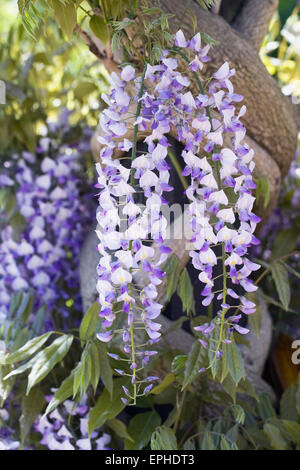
(164, 103)
(44, 257)
(221, 208)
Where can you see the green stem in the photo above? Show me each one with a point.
(224, 310)
(179, 411)
(178, 168)
(133, 156)
(136, 126)
(85, 11)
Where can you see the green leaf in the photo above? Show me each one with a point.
(95, 365)
(141, 428)
(265, 407)
(209, 40)
(239, 414)
(178, 364)
(293, 429)
(172, 270)
(194, 363)
(208, 441)
(189, 444)
(288, 403)
(100, 28)
(275, 437)
(62, 393)
(21, 368)
(255, 318)
(207, 3)
(6, 383)
(119, 428)
(39, 320)
(32, 405)
(281, 279)
(245, 386)
(169, 378)
(28, 349)
(263, 187)
(21, 336)
(106, 407)
(186, 292)
(65, 15)
(106, 371)
(163, 438)
(7, 201)
(271, 301)
(235, 362)
(82, 375)
(230, 387)
(47, 359)
(18, 223)
(89, 322)
(225, 444)
(22, 307)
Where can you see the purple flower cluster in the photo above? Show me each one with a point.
(7, 442)
(125, 252)
(61, 433)
(221, 203)
(45, 257)
(221, 206)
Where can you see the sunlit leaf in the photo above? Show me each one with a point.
(163, 438)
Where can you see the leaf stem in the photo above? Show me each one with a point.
(179, 411)
(178, 168)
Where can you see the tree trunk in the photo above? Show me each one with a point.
(270, 118)
(272, 121)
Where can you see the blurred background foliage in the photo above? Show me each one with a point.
(280, 51)
(43, 75)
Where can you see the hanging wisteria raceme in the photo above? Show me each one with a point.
(7, 440)
(59, 432)
(221, 166)
(220, 195)
(44, 257)
(125, 252)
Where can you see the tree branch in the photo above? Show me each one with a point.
(270, 115)
(107, 61)
(253, 21)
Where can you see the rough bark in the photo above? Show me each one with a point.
(253, 21)
(272, 121)
(270, 117)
